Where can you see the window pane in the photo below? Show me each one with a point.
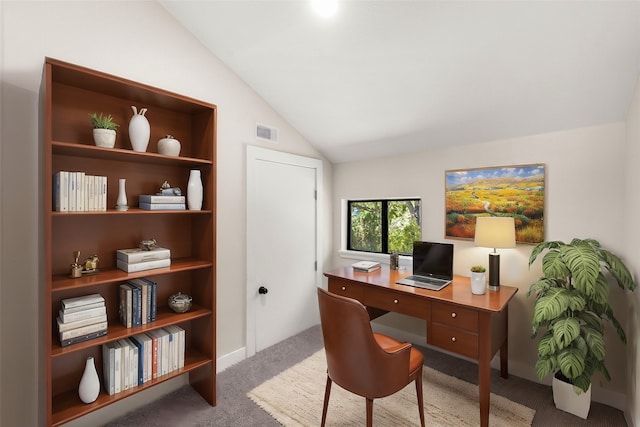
(404, 225)
(366, 226)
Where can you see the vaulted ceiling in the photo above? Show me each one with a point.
(389, 77)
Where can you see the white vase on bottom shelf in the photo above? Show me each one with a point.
(89, 387)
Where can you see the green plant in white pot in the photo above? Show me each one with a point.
(478, 280)
(104, 130)
(571, 307)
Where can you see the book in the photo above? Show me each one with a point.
(63, 327)
(126, 304)
(366, 266)
(162, 206)
(108, 357)
(80, 301)
(142, 266)
(83, 330)
(154, 304)
(147, 295)
(83, 307)
(136, 255)
(61, 191)
(82, 338)
(153, 198)
(79, 315)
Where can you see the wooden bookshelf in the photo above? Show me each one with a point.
(70, 93)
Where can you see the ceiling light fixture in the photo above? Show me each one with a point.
(325, 8)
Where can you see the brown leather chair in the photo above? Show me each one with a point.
(363, 362)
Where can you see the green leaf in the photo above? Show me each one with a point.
(618, 270)
(551, 305)
(554, 266)
(565, 331)
(571, 362)
(600, 290)
(541, 247)
(547, 345)
(545, 366)
(595, 341)
(583, 264)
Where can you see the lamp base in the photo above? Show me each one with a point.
(494, 272)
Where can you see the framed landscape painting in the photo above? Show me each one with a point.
(515, 191)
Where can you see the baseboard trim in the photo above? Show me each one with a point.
(230, 359)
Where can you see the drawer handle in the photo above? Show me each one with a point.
(344, 288)
(395, 301)
(453, 339)
(453, 314)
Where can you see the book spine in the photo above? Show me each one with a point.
(82, 307)
(142, 266)
(146, 198)
(162, 206)
(80, 301)
(84, 330)
(82, 338)
(63, 327)
(79, 315)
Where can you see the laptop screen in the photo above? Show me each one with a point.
(432, 259)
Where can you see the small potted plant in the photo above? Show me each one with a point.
(571, 308)
(104, 130)
(478, 280)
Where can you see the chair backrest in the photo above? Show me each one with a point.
(355, 361)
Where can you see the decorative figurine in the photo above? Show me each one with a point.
(167, 190)
(91, 264)
(76, 269)
(180, 303)
(148, 244)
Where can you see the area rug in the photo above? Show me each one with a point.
(295, 397)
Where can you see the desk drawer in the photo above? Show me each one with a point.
(397, 302)
(453, 339)
(346, 289)
(455, 316)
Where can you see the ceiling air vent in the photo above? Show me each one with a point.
(266, 133)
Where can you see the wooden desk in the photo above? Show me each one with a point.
(474, 326)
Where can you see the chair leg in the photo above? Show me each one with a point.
(327, 392)
(369, 412)
(420, 398)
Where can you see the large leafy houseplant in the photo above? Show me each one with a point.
(572, 306)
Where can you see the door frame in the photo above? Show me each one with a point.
(256, 154)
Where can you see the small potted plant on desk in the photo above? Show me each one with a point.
(104, 130)
(478, 280)
(572, 304)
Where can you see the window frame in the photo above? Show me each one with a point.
(384, 219)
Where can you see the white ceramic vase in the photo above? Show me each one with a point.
(105, 138)
(169, 146)
(194, 191)
(89, 387)
(478, 283)
(139, 130)
(121, 203)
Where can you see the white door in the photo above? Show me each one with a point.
(283, 269)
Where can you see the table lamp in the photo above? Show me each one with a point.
(495, 232)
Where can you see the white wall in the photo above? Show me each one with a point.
(632, 231)
(584, 198)
(137, 40)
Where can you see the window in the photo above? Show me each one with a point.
(383, 226)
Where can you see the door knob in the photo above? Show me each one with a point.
(262, 290)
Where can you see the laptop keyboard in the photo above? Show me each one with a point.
(427, 280)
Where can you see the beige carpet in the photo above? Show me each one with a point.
(294, 398)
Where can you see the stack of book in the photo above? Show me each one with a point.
(152, 202)
(77, 191)
(133, 361)
(82, 318)
(138, 302)
(366, 266)
(132, 260)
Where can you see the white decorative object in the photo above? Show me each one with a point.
(566, 399)
(169, 146)
(478, 283)
(105, 138)
(89, 387)
(121, 203)
(139, 130)
(194, 191)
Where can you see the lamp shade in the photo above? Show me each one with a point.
(495, 232)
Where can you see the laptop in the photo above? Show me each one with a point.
(432, 266)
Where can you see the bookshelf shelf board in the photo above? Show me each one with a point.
(117, 331)
(63, 283)
(67, 406)
(118, 154)
(132, 211)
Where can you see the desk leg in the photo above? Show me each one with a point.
(504, 348)
(484, 368)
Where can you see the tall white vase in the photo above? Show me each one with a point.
(89, 387)
(194, 191)
(139, 130)
(121, 203)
